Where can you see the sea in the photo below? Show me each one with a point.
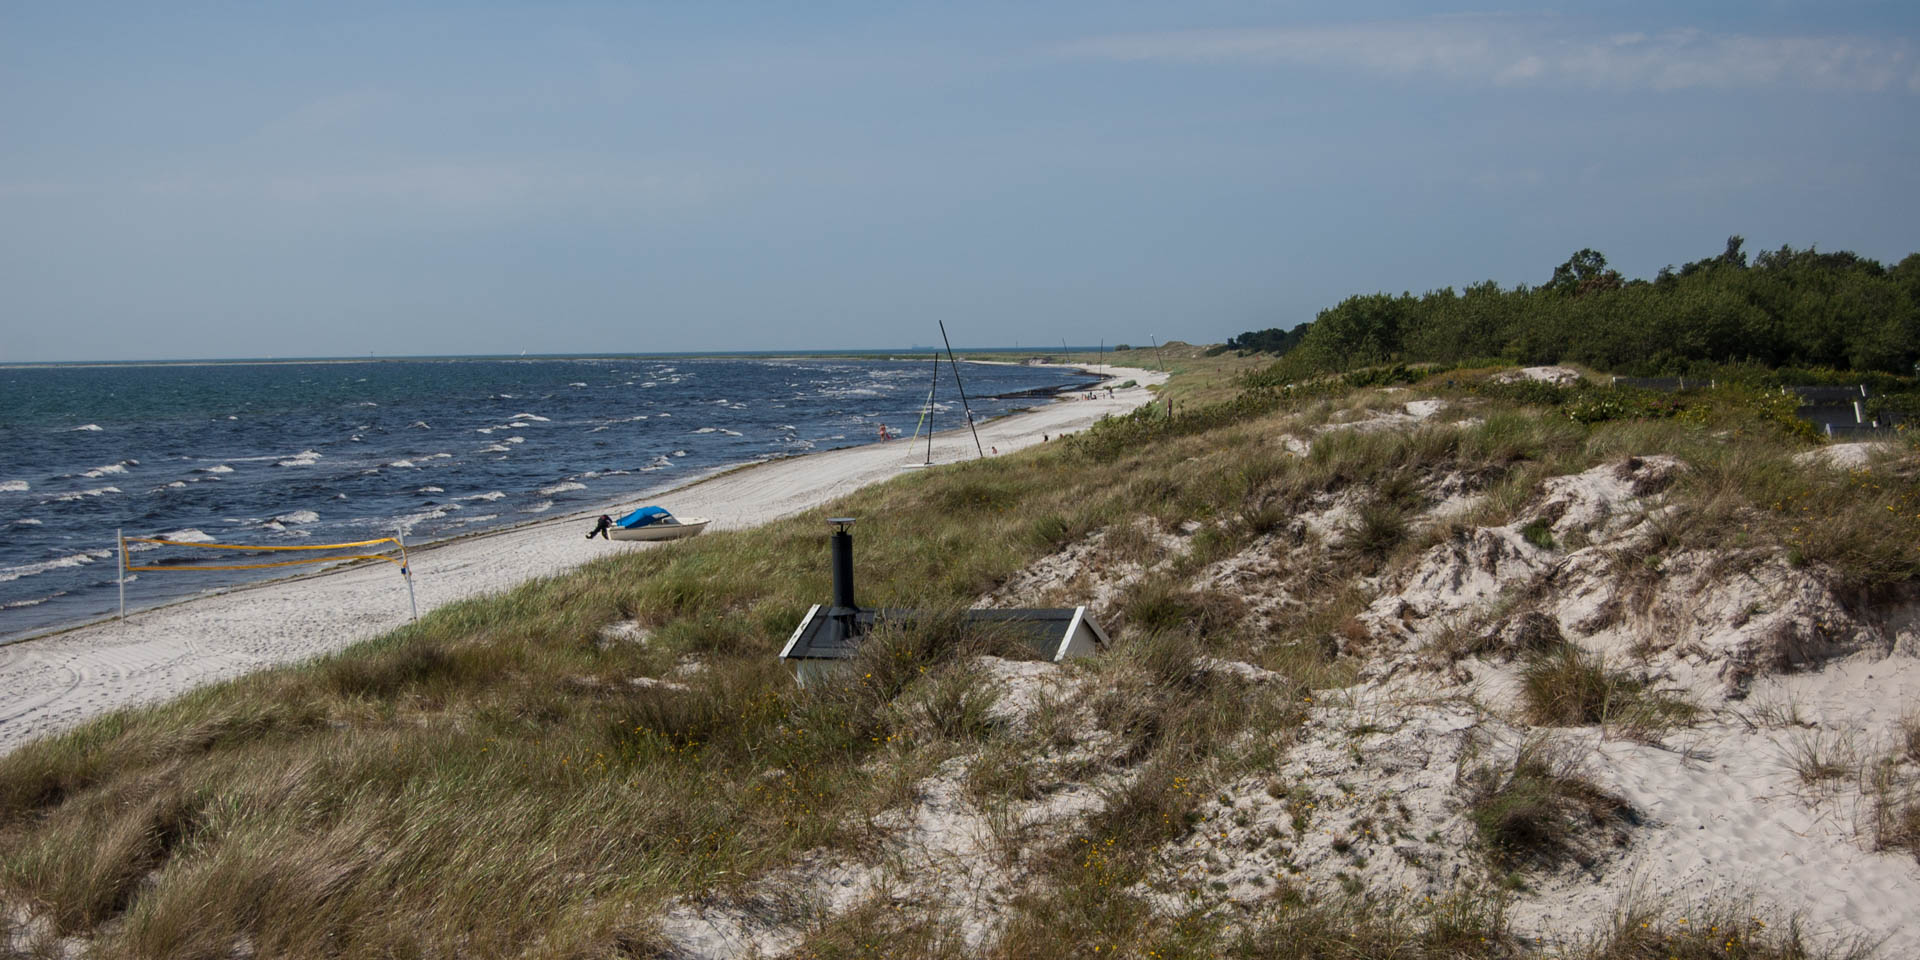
(280, 453)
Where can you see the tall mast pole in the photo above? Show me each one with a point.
(977, 449)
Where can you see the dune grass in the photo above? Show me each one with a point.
(491, 781)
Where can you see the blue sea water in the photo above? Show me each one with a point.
(281, 453)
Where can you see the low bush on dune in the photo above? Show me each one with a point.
(1541, 810)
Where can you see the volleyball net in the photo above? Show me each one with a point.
(398, 540)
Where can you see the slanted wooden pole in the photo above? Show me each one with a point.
(406, 571)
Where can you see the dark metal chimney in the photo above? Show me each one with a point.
(843, 616)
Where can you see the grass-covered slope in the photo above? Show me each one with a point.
(611, 763)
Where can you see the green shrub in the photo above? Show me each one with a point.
(1539, 810)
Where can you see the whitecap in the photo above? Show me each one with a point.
(27, 522)
(707, 430)
(421, 424)
(597, 429)
(298, 516)
(16, 604)
(723, 402)
(495, 448)
(44, 566)
(430, 490)
(490, 495)
(98, 472)
(401, 463)
(730, 433)
(305, 458)
(177, 485)
(216, 468)
(561, 488)
(83, 494)
(14, 486)
(189, 535)
(440, 456)
(679, 453)
(368, 403)
(517, 424)
(663, 414)
(516, 439)
(88, 428)
(503, 396)
(483, 518)
(788, 427)
(576, 384)
(536, 418)
(484, 430)
(648, 385)
(541, 507)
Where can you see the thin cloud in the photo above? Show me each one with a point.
(1515, 52)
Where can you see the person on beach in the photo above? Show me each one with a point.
(601, 527)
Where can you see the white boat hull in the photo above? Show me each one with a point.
(661, 531)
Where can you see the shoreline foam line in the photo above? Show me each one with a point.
(162, 651)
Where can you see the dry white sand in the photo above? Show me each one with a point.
(54, 682)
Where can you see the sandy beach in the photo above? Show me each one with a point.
(54, 682)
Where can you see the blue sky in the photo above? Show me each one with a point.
(185, 180)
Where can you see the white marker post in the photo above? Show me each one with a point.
(406, 570)
(120, 535)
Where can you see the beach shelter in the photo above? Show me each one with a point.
(829, 634)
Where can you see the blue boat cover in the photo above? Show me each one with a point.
(645, 517)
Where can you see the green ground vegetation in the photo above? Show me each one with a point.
(493, 782)
(1200, 376)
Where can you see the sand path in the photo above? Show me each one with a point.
(54, 682)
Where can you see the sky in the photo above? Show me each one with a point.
(191, 180)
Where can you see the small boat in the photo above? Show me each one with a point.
(654, 523)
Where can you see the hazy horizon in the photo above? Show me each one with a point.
(480, 179)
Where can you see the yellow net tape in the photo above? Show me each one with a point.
(242, 546)
(156, 568)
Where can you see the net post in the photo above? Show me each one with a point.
(406, 571)
(120, 536)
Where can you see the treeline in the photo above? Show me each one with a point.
(1272, 340)
(1787, 308)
